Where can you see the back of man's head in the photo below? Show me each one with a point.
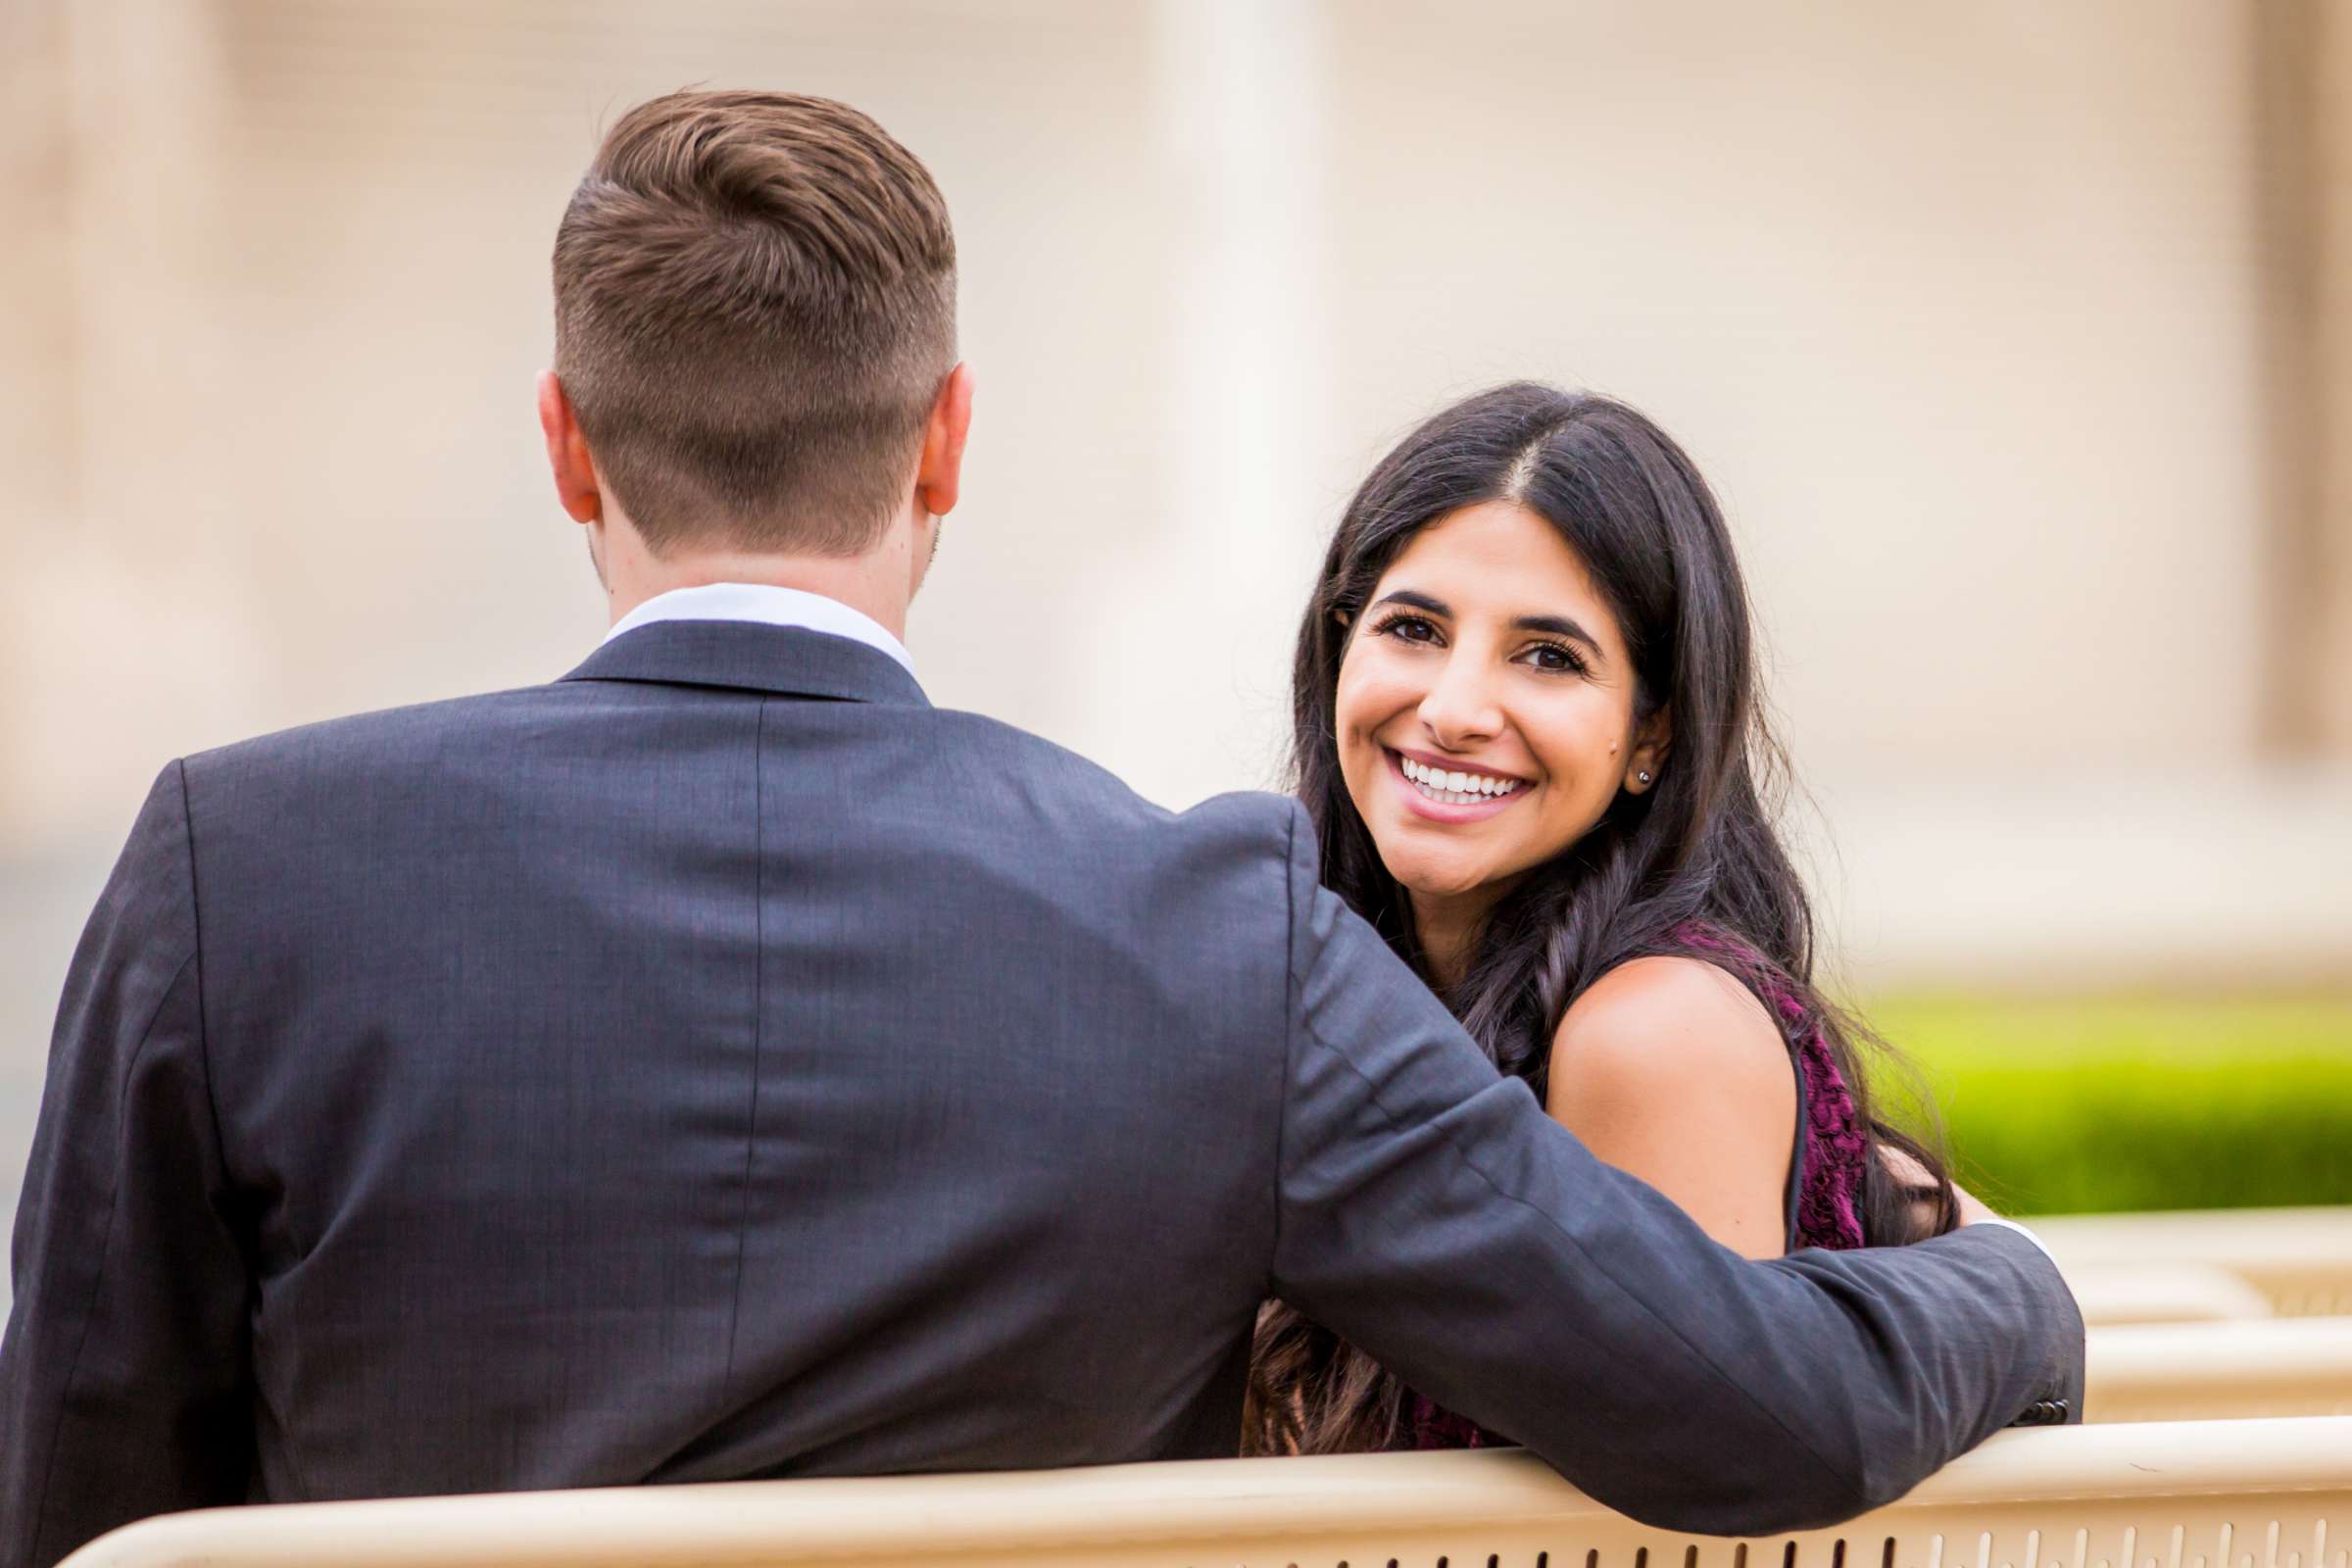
(755, 311)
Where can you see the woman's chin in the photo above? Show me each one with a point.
(1439, 881)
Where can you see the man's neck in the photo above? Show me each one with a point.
(875, 584)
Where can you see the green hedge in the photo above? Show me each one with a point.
(2077, 1106)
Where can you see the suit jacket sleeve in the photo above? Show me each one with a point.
(123, 1373)
(1431, 1214)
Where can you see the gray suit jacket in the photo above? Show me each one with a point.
(722, 1064)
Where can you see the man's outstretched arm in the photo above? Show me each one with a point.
(1435, 1216)
(123, 1373)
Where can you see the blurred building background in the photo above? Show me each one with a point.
(2017, 339)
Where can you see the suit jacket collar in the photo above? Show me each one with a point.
(751, 657)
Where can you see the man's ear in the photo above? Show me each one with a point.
(1653, 741)
(567, 457)
(939, 477)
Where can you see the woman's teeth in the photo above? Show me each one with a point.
(1456, 788)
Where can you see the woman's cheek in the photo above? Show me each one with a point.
(1368, 698)
(1571, 745)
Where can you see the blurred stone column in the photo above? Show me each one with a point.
(2303, 180)
(124, 574)
(2328, 551)
(37, 425)
(1240, 128)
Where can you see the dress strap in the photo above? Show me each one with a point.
(1825, 1164)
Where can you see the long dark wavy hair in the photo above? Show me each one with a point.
(1697, 853)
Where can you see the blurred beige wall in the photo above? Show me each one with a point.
(2017, 339)
(1972, 313)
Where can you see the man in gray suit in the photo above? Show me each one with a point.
(720, 1063)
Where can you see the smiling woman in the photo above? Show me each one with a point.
(1489, 684)
(1526, 723)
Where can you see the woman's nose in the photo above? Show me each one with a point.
(1460, 708)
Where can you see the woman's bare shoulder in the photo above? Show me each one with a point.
(1666, 1022)
(1671, 1069)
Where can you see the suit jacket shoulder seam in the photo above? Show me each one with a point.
(1291, 1015)
(750, 1136)
(204, 1056)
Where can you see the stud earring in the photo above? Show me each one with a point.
(1643, 775)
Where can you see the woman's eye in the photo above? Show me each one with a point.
(1409, 629)
(1556, 659)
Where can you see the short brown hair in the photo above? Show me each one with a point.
(754, 312)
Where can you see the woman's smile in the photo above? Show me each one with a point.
(1442, 790)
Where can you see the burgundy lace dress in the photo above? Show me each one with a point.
(1825, 1179)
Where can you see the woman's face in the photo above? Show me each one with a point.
(1484, 711)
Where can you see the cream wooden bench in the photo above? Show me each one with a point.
(2299, 1259)
(2203, 1371)
(2161, 1292)
(2274, 1493)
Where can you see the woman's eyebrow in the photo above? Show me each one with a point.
(1419, 601)
(1558, 626)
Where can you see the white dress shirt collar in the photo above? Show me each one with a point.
(768, 604)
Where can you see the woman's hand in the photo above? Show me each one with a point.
(1912, 1177)
(1972, 1208)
